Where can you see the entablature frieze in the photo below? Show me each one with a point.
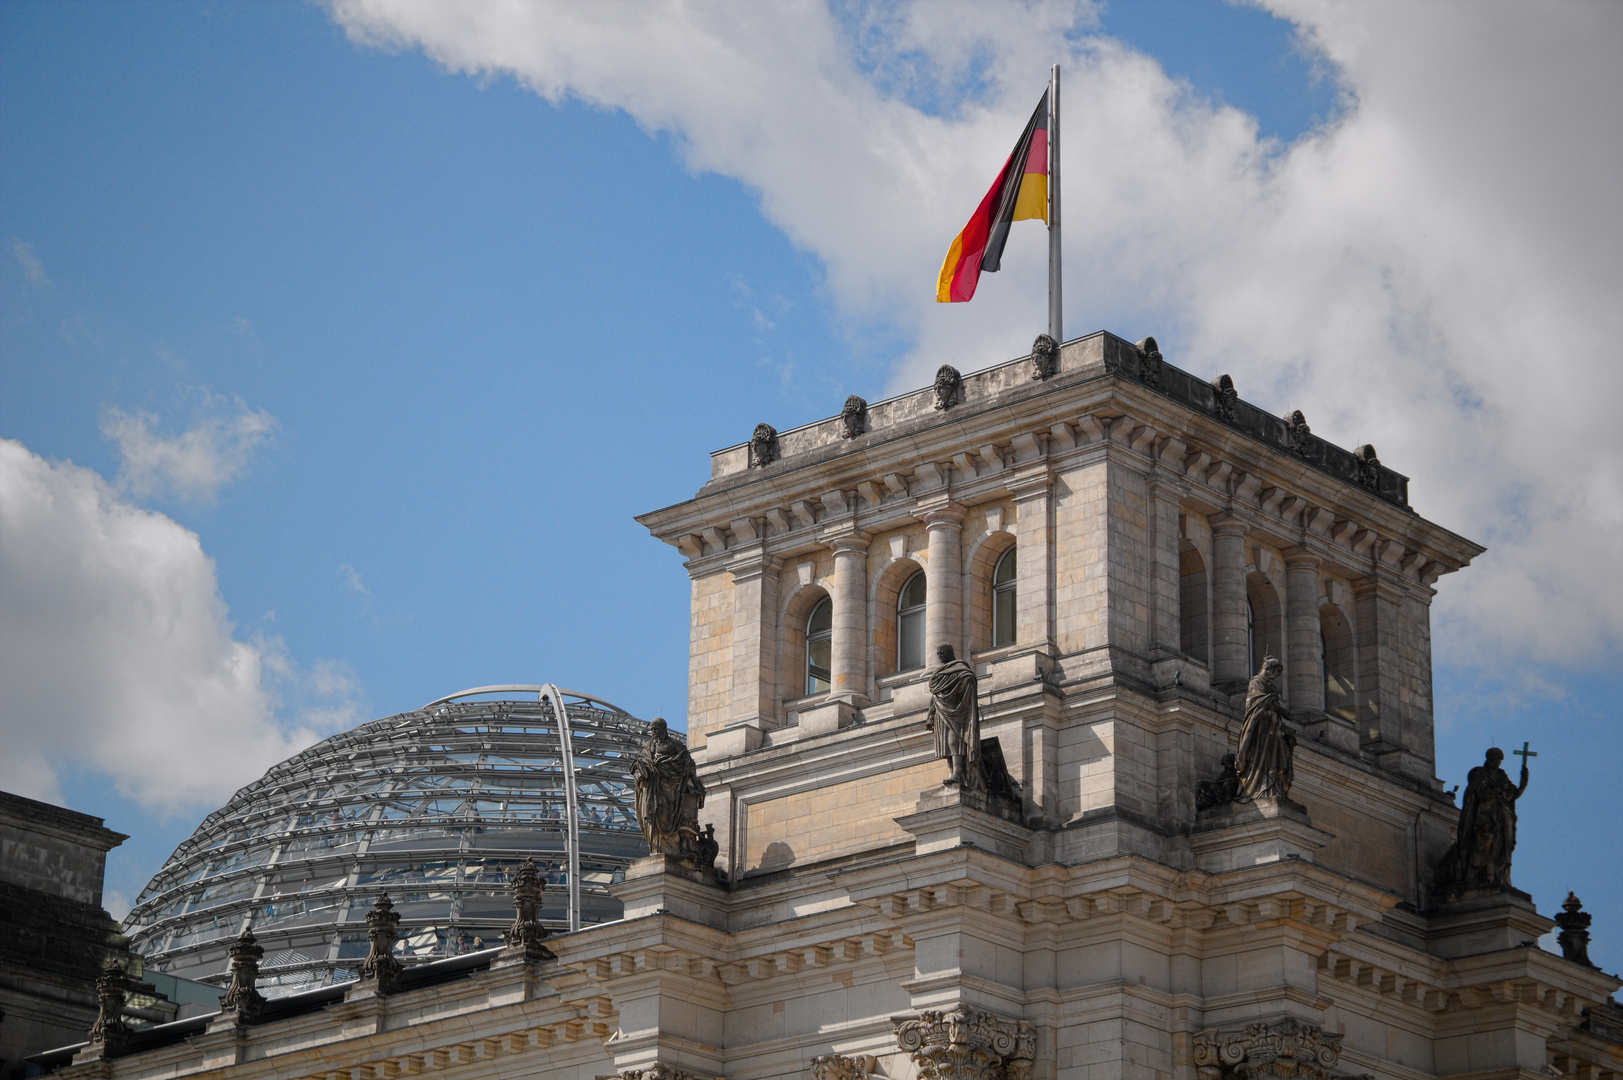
(1280, 499)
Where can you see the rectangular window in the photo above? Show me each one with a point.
(910, 640)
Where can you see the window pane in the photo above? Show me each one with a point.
(1003, 617)
(822, 618)
(912, 593)
(1005, 568)
(818, 655)
(910, 641)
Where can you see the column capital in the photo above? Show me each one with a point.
(1228, 522)
(852, 542)
(942, 514)
(1301, 558)
(753, 564)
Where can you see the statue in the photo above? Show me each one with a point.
(242, 995)
(1222, 791)
(1296, 431)
(1369, 466)
(1044, 357)
(1227, 396)
(1480, 857)
(763, 445)
(949, 385)
(853, 418)
(1149, 361)
(1263, 762)
(955, 717)
(669, 794)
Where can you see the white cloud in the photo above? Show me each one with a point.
(1436, 271)
(28, 259)
(117, 654)
(193, 465)
(352, 580)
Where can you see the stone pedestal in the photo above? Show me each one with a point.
(666, 883)
(951, 817)
(1264, 830)
(1483, 921)
(827, 717)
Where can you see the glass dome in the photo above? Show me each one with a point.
(435, 807)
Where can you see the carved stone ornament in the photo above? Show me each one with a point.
(840, 1067)
(1369, 466)
(659, 1071)
(1574, 936)
(383, 928)
(241, 995)
(949, 387)
(1296, 432)
(1044, 357)
(1221, 791)
(763, 445)
(1286, 1050)
(110, 1034)
(1226, 397)
(965, 1044)
(1149, 361)
(524, 937)
(853, 417)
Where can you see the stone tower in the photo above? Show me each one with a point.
(1113, 546)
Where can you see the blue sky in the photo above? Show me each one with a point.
(404, 325)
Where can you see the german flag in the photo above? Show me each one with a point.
(1020, 191)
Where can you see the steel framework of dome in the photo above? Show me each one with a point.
(435, 807)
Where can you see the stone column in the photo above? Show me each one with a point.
(850, 646)
(755, 677)
(944, 600)
(1034, 562)
(1230, 664)
(1304, 664)
(1166, 608)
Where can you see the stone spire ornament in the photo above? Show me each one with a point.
(524, 937)
(1574, 936)
(242, 996)
(381, 968)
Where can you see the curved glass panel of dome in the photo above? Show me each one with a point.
(436, 807)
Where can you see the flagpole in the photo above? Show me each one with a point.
(1056, 321)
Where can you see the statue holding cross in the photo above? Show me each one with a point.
(1480, 857)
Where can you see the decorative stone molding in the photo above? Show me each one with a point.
(1574, 936)
(1285, 1050)
(1369, 466)
(763, 445)
(949, 387)
(1044, 357)
(853, 418)
(658, 1071)
(966, 1044)
(840, 1067)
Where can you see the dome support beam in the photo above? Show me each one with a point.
(550, 693)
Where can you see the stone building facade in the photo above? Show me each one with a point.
(1114, 544)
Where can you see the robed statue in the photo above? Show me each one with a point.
(955, 717)
(1480, 857)
(1267, 744)
(669, 793)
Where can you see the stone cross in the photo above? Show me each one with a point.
(1525, 753)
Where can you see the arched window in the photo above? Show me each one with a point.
(1192, 622)
(1003, 600)
(910, 624)
(1251, 639)
(819, 647)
